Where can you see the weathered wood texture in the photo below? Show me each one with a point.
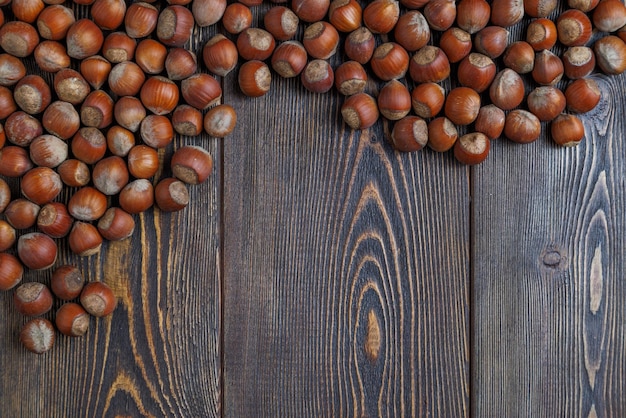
(345, 267)
(548, 283)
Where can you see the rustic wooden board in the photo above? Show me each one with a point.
(548, 289)
(345, 267)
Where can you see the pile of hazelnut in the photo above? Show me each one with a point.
(411, 47)
(83, 139)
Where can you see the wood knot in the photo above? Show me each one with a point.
(372, 338)
(553, 258)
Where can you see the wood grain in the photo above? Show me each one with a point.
(548, 275)
(345, 267)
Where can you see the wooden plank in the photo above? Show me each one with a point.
(159, 352)
(345, 267)
(548, 275)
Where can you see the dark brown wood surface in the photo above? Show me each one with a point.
(320, 273)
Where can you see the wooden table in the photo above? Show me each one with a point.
(320, 273)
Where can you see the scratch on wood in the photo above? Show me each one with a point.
(372, 340)
(596, 281)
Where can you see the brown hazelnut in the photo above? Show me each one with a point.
(32, 299)
(84, 239)
(175, 25)
(427, 99)
(255, 44)
(522, 126)
(472, 148)
(220, 55)
(394, 100)
(119, 140)
(159, 95)
(88, 145)
(140, 19)
(21, 128)
(116, 224)
(187, 120)
(14, 161)
(12, 70)
(429, 64)
(192, 164)
(238, 17)
(150, 55)
(84, 39)
(18, 38)
(442, 134)
(95, 71)
(72, 320)
(67, 282)
(48, 151)
(87, 204)
(143, 161)
(254, 78)
(32, 94)
(110, 175)
(74, 173)
(281, 22)
(567, 130)
(507, 90)
(37, 335)
(11, 271)
(21, 213)
(36, 250)
(137, 196)
(51, 56)
(359, 45)
(70, 86)
(171, 195)
(41, 185)
(220, 121)
(98, 299)
(381, 16)
(8, 235)
(54, 21)
(390, 61)
(582, 95)
(129, 112)
(156, 131)
(289, 59)
(360, 111)
(318, 76)
(462, 105)
(410, 133)
(54, 220)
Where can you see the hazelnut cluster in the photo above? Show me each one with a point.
(411, 47)
(81, 301)
(83, 138)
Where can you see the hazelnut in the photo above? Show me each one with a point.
(37, 335)
(522, 126)
(98, 299)
(67, 282)
(281, 22)
(37, 250)
(54, 220)
(410, 133)
(41, 185)
(442, 134)
(201, 90)
(156, 131)
(318, 76)
(84, 239)
(360, 111)
(87, 204)
(254, 78)
(11, 271)
(220, 121)
(48, 151)
(137, 196)
(95, 71)
(191, 164)
(174, 25)
(171, 195)
(462, 105)
(472, 148)
(32, 299)
(110, 175)
(143, 161)
(116, 224)
(21, 213)
(72, 320)
(567, 130)
(220, 55)
(74, 173)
